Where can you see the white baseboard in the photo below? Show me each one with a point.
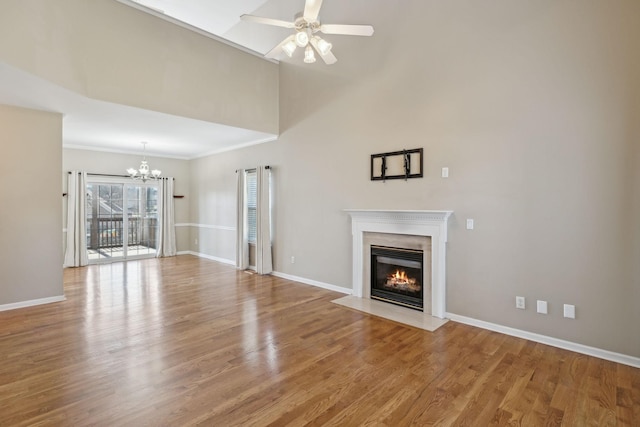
(277, 274)
(313, 283)
(31, 303)
(554, 342)
(214, 227)
(212, 258)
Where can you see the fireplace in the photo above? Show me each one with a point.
(392, 228)
(396, 276)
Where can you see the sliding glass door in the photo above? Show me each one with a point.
(122, 220)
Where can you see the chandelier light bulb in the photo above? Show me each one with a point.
(309, 56)
(144, 168)
(302, 38)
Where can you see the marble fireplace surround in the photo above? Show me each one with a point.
(428, 223)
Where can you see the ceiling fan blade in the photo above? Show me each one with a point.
(311, 10)
(273, 53)
(267, 21)
(350, 30)
(328, 58)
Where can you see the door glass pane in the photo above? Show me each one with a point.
(104, 221)
(121, 221)
(143, 220)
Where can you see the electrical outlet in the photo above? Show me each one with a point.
(520, 303)
(570, 311)
(469, 224)
(196, 241)
(445, 172)
(542, 307)
(293, 260)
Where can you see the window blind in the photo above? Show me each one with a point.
(252, 202)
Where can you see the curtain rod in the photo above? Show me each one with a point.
(112, 175)
(104, 174)
(117, 176)
(252, 169)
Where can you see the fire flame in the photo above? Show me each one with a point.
(400, 280)
(401, 275)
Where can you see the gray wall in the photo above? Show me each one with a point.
(108, 51)
(30, 217)
(534, 107)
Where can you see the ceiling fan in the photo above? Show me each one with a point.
(306, 26)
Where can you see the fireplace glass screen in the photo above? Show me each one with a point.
(396, 276)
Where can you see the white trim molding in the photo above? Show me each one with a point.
(410, 222)
(304, 280)
(31, 303)
(215, 227)
(211, 257)
(554, 342)
(312, 282)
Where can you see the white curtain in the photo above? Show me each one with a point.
(263, 221)
(76, 252)
(242, 241)
(167, 226)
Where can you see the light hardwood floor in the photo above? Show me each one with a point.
(187, 341)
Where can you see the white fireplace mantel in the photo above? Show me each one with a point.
(409, 222)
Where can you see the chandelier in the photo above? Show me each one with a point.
(143, 173)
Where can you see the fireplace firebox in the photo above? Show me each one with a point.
(396, 276)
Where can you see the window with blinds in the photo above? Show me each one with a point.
(252, 203)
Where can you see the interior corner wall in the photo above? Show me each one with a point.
(30, 251)
(531, 105)
(99, 162)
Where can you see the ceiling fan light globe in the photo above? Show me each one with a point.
(324, 46)
(302, 38)
(289, 47)
(309, 56)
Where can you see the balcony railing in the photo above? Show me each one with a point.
(108, 232)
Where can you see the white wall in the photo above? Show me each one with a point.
(30, 197)
(534, 107)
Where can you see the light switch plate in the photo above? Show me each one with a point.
(542, 307)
